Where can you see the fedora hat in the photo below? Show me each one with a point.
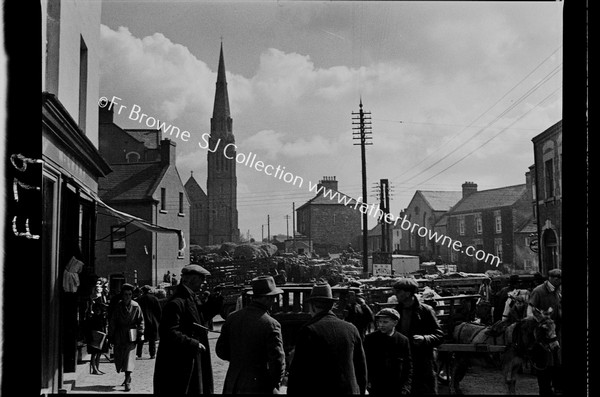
(264, 286)
(322, 292)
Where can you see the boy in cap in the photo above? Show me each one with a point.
(389, 362)
(419, 324)
(251, 341)
(329, 358)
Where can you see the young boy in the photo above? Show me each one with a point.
(389, 362)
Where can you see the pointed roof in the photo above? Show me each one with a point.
(221, 106)
(193, 188)
(441, 200)
(131, 181)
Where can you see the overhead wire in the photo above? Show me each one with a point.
(443, 145)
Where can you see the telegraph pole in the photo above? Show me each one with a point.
(361, 122)
(287, 225)
(268, 229)
(385, 207)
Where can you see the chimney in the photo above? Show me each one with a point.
(329, 183)
(106, 115)
(468, 188)
(168, 151)
(528, 185)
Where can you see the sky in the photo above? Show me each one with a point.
(456, 90)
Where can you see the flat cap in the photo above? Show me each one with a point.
(194, 269)
(407, 284)
(555, 273)
(388, 312)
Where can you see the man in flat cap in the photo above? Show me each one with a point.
(544, 297)
(183, 364)
(420, 325)
(329, 358)
(152, 313)
(389, 362)
(251, 341)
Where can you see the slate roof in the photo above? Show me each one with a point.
(493, 198)
(320, 199)
(441, 200)
(149, 137)
(529, 226)
(192, 187)
(131, 181)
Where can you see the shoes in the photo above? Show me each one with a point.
(152, 357)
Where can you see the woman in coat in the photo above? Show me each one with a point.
(126, 316)
(95, 324)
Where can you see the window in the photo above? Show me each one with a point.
(498, 221)
(83, 75)
(132, 157)
(461, 225)
(478, 224)
(416, 210)
(498, 248)
(163, 199)
(549, 171)
(117, 239)
(181, 203)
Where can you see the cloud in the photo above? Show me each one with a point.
(162, 75)
(274, 145)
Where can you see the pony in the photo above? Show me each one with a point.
(521, 339)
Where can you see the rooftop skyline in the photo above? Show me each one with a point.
(456, 91)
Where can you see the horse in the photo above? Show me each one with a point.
(521, 339)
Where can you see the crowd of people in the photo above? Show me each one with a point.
(388, 352)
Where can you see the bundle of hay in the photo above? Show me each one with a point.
(248, 251)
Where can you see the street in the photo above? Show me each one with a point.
(477, 381)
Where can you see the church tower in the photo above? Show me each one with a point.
(221, 185)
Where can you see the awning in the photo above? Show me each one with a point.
(139, 222)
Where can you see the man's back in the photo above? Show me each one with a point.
(251, 341)
(328, 358)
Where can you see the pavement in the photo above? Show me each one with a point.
(82, 382)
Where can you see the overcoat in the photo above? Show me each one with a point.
(389, 363)
(152, 314)
(252, 343)
(329, 358)
(122, 320)
(181, 368)
(423, 322)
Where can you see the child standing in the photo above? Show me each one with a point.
(389, 362)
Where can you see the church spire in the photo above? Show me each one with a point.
(221, 106)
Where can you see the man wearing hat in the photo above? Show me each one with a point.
(329, 357)
(152, 312)
(420, 325)
(389, 362)
(544, 297)
(183, 364)
(252, 343)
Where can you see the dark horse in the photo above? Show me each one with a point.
(520, 339)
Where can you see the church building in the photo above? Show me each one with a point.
(214, 216)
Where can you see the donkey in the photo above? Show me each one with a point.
(520, 338)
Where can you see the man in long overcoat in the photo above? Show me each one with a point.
(420, 325)
(252, 343)
(183, 363)
(152, 313)
(329, 358)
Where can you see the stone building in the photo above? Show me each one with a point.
(329, 225)
(426, 208)
(547, 196)
(489, 221)
(145, 185)
(217, 221)
(68, 182)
